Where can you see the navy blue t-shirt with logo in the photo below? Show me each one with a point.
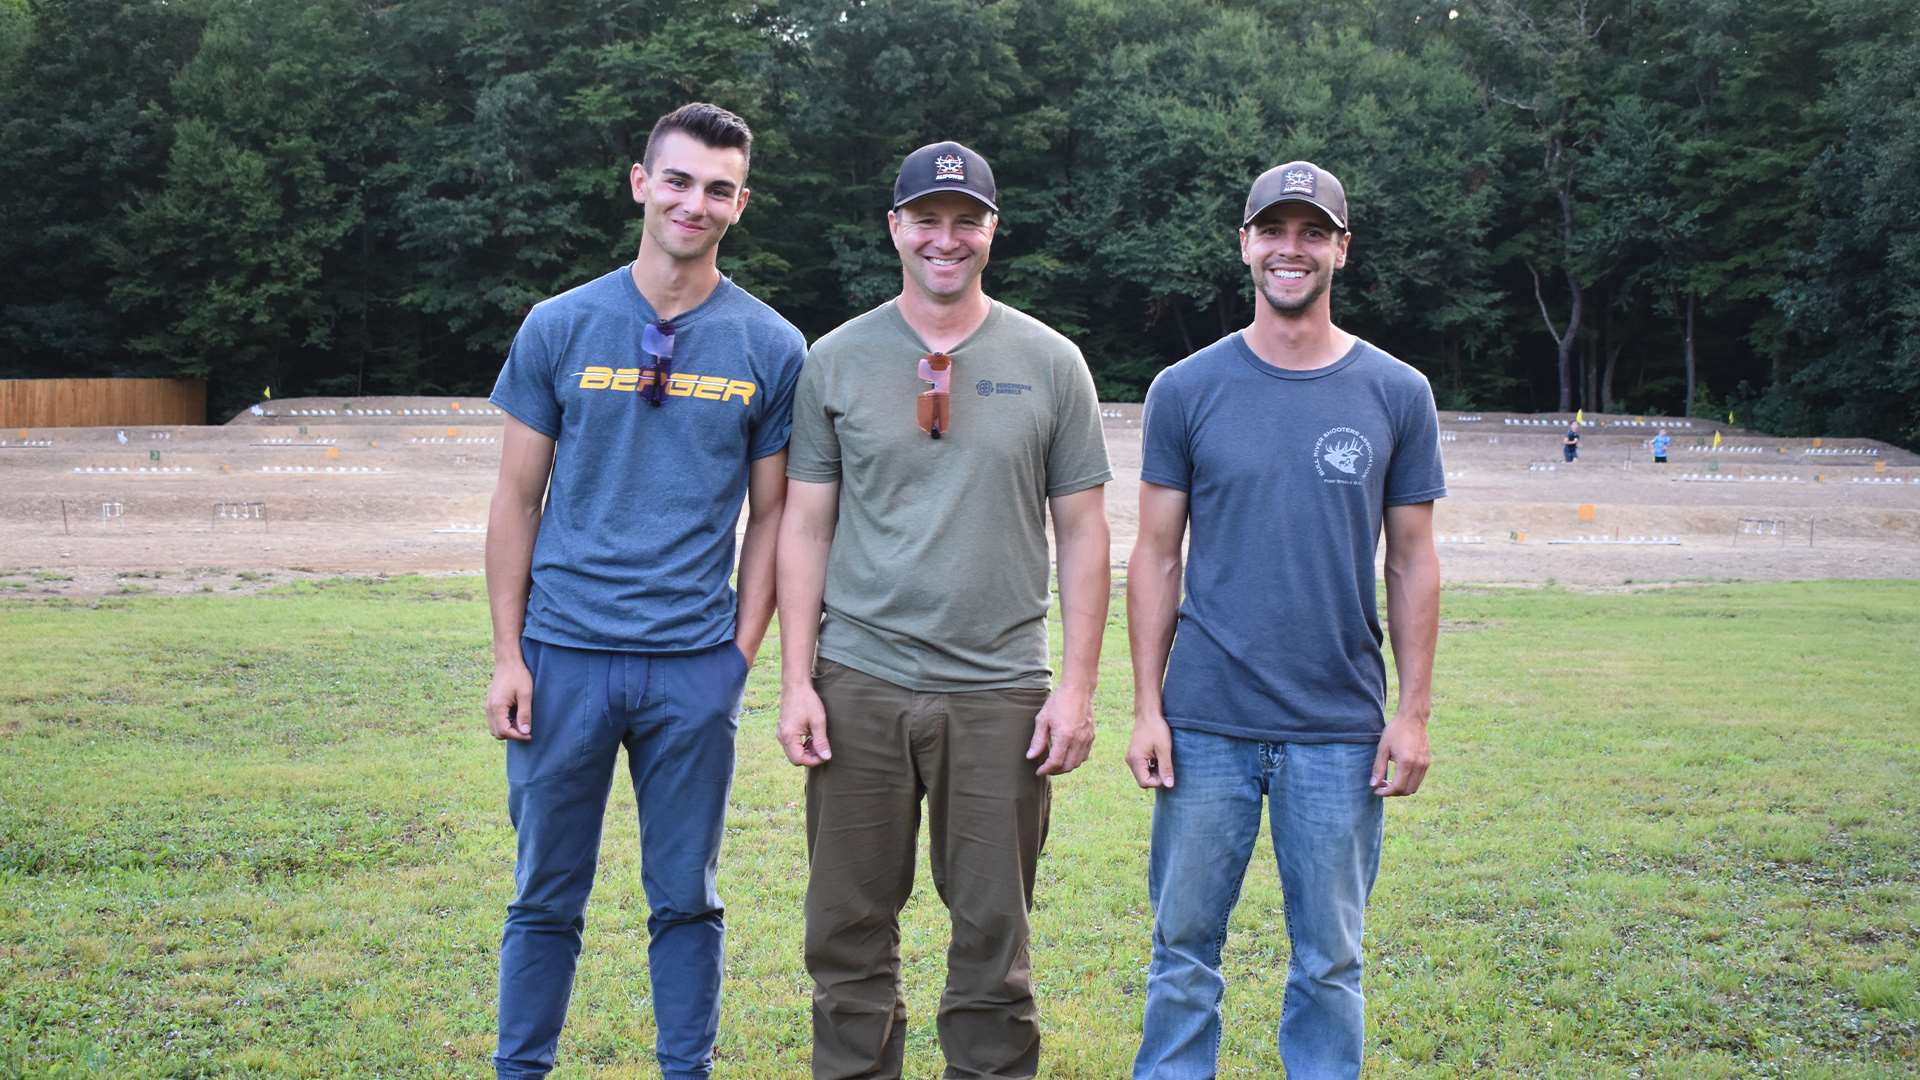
(636, 545)
(1287, 475)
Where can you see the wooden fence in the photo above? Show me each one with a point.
(45, 403)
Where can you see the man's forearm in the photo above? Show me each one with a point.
(802, 577)
(755, 587)
(1413, 624)
(1153, 605)
(511, 529)
(1086, 583)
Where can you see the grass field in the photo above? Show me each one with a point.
(1668, 833)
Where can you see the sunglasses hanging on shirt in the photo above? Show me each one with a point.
(656, 339)
(934, 406)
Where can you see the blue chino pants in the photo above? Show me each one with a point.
(676, 715)
(1326, 824)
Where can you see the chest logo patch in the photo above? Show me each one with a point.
(988, 388)
(1343, 456)
(679, 383)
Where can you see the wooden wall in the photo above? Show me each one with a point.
(44, 403)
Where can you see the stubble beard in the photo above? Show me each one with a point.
(1294, 309)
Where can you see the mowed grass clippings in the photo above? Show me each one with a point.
(1667, 834)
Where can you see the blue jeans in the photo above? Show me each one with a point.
(676, 715)
(1326, 839)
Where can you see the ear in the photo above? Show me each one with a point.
(1243, 246)
(637, 183)
(1340, 251)
(740, 204)
(893, 225)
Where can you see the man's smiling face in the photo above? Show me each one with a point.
(1292, 249)
(690, 193)
(943, 240)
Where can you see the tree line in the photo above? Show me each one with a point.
(1648, 206)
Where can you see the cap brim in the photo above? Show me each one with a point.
(936, 189)
(1338, 222)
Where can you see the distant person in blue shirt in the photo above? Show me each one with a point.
(1570, 446)
(1281, 452)
(1660, 442)
(642, 407)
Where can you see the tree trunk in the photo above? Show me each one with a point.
(1586, 374)
(1563, 342)
(366, 299)
(1606, 379)
(1563, 192)
(1180, 324)
(1610, 346)
(1687, 409)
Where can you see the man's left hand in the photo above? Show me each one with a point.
(1063, 731)
(1404, 743)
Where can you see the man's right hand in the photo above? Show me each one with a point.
(803, 726)
(510, 702)
(1150, 753)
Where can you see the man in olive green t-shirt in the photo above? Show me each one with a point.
(931, 437)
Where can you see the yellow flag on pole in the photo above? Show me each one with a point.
(1580, 417)
(1716, 440)
(267, 392)
(1729, 418)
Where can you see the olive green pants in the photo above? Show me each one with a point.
(987, 812)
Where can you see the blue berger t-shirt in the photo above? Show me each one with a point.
(1287, 475)
(636, 544)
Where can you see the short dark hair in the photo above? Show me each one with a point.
(711, 124)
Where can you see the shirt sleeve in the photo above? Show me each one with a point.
(1166, 456)
(1417, 473)
(525, 387)
(1077, 457)
(813, 453)
(775, 425)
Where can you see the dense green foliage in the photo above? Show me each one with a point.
(1626, 205)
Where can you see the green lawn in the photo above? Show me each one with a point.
(1667, 833)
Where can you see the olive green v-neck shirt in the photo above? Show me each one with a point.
(937, 577)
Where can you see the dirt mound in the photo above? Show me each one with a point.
(373, 485)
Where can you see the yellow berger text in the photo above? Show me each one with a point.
(679, 384)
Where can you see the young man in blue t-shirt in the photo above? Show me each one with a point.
(642, 408)
(1660, 441)
(1284, 449)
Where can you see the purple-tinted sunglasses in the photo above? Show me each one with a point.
(656, 339)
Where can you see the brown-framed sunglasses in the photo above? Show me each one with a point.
(934, 407)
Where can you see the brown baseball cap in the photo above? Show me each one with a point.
(1298, 181)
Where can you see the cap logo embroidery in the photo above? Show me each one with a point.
(1296, 182)
(950, 167)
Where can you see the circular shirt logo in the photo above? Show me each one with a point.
(984, 388)
(1343, 456)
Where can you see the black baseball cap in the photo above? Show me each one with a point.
(945, 166)
(1298, 181)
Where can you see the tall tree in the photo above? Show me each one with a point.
(510, 178)
(84, 128)
(236, 261)
(1549, 61)
(1853, 303)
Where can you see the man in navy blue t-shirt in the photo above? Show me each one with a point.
(1283, 450)
(642, 408)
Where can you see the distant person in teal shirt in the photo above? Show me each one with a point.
(1660, 443)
